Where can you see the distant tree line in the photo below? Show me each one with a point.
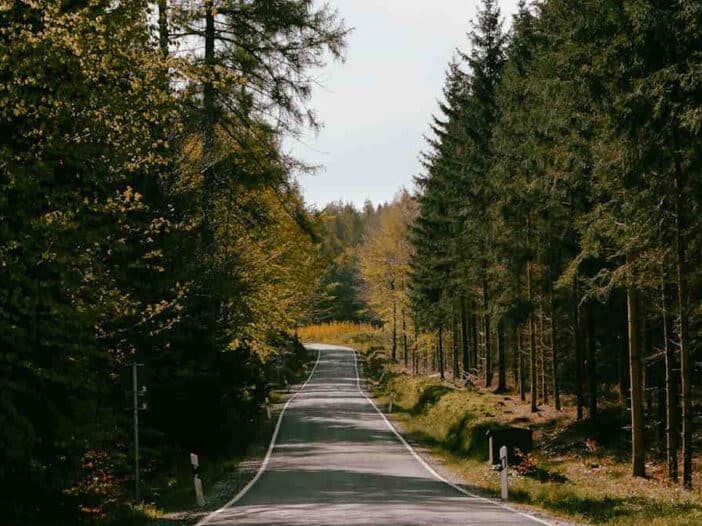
(148, 214)
(338, 296)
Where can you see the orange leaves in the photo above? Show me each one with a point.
(334, 332)
(99, 483)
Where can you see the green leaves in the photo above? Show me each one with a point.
(102, 206)
(451, 236)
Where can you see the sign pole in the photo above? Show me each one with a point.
(503, 472)
(199, 497)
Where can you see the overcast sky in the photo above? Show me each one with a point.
(377, 105)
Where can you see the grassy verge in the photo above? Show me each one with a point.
(578, 471)
(176, 506)
(171, 493)
(362, 336)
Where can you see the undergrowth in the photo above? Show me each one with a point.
(578, 470)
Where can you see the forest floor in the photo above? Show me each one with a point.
(578, 471)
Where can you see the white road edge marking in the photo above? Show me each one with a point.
(269, 453)
(424, 463)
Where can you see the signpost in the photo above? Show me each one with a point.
(196, 480)
(503, 472)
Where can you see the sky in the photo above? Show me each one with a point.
(377, 105)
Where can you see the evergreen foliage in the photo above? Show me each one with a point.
(148, 214)
(557, 215)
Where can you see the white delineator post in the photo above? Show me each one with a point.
(392, 399)
(268, 409)
(196, 479)
(503, 472)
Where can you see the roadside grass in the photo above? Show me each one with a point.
(169, 496)
(579, 471)
(362, 336)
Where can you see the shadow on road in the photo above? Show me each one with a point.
(336, 462)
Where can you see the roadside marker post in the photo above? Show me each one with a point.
(268, 409)
(392, 399)
(503, 472)
(196, 480)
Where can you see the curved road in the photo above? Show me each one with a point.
(336, 461)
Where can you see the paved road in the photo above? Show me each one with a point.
(336, 461)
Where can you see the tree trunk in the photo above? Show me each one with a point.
(532, 329)
(441, 352)
(660, 404)
(394, 325)
(522, 376)
(474, 337)
(208, 88)
(464, 336)
(591, 361)
(435, 357)
(542, 354)
(208, 100)
(647, 380)
(163, 27)
(415, 347)
(206, 240)
(555, 387)
(404, 337)
(624, 371)
(454, 345)
(501, 366)
(671, 399)
(580, 398)
(486, 328)
(515, 356)
(638, 450)
(686, 365)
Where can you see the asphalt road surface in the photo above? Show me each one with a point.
(336, 461)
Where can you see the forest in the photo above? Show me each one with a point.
(149, 215)
(552, 246)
